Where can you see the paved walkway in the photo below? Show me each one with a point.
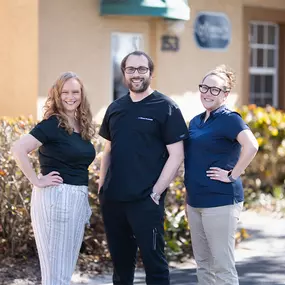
(260, 258)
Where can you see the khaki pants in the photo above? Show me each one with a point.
(213, 241)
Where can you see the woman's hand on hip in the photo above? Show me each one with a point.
(216, 173)
(51, 179)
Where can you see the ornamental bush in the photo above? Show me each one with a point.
(265, 174)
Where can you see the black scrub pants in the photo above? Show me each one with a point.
(133, 225)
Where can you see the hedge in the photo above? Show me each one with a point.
(265, 174)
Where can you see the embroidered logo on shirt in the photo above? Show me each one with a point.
(144, 118)
(182, 136)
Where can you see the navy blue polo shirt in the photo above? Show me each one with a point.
(213, 144)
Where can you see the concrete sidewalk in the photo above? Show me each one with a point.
(260, 258)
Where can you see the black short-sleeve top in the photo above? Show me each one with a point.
(70, 155)
(139, 133)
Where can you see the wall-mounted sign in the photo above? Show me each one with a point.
(169, 43)
(212, 30)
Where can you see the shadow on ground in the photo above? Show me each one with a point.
(255, 271)
(261, 270)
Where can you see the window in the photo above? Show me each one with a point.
(121, 45)
(263, 68)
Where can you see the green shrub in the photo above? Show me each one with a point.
(267, 170)
(15, 230)
(265, 174)
(177, 233)
(16, 235)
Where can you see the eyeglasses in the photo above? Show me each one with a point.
(213, 90)
(140, 69)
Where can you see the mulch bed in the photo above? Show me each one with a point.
(26, 271)
(20, 271)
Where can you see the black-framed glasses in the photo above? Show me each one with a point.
(213, 90)
(140, 69)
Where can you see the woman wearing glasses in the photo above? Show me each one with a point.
(219, 148)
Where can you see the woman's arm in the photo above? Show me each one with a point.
(20, 150)
(249, 149)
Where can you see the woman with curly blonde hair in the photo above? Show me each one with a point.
(59, 206)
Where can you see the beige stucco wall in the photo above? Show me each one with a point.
(273, 4)
(179, 73)
(73, 36)
(18, 57)
(80, 41)
(41, 39)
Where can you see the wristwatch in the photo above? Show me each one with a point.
(230, 176)
(155, 196)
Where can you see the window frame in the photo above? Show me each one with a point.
(264, 70)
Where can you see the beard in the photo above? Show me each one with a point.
(143, 86)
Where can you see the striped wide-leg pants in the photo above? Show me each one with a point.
(59, 214)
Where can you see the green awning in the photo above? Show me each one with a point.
(171, 9)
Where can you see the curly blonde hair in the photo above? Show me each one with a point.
(53, 106)
(226, 73)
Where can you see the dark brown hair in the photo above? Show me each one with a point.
(226, 73)
(138, 53)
